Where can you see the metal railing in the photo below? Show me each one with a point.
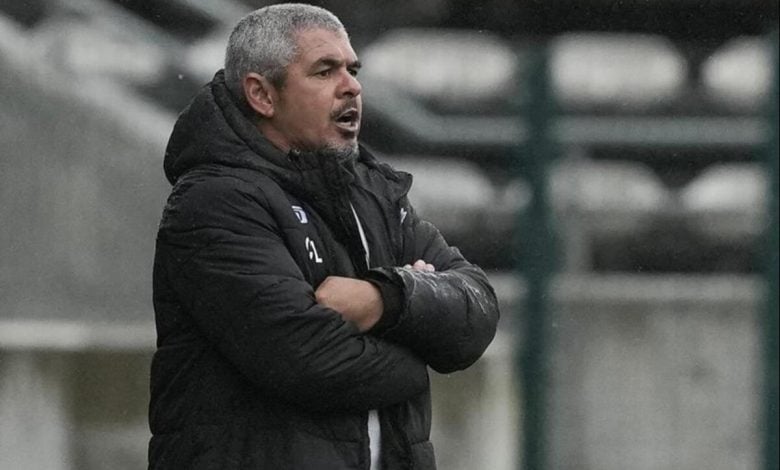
(772, 240)
(542, 131)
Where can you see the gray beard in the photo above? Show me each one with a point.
(340, 154)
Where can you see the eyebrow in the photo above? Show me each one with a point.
(331, 62)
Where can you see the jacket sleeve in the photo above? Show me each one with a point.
(232, 272)
(447, 317)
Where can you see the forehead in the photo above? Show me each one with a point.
(316, 44)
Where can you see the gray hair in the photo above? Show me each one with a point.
(264, 42)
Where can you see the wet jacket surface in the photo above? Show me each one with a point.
(250, 372)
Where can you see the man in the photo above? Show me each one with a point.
(298, 297)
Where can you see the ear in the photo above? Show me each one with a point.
(259, 93)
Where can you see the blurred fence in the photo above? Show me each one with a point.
(81, 194)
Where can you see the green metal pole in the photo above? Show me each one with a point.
(771, 330)
(538, 263)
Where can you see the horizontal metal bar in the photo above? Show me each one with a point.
(661, 131)
(429, 128)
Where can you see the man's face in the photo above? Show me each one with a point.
(319, 106)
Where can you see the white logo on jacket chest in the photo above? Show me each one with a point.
(311, 248)
(301, 214)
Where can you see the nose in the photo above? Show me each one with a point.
(350, 85)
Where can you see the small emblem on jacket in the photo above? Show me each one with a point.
(312, 250)
(403, 215)
(301, 214)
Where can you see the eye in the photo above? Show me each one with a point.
(323, 73)
(354, 72)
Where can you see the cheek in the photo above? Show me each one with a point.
(312, 112)
(309, 119)
(305, 122)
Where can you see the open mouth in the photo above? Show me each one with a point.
(348, 120)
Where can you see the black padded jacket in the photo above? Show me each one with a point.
(250, 372)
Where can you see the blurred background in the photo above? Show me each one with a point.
(611, 165)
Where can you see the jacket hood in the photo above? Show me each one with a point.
(212, 129)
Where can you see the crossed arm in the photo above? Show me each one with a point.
(356, 300)
(447, 315)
